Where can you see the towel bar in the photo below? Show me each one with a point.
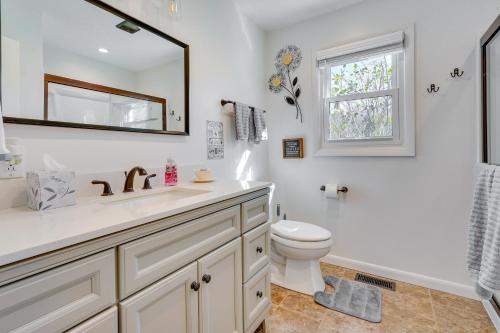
(342, 189)
(224, 102)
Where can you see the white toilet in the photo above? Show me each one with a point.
(296, 249)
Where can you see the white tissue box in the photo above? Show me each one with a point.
(50, 189)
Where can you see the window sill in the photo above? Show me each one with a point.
(400, 150)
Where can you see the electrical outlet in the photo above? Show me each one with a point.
(12, 168)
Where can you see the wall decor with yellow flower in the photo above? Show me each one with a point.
(287, 61)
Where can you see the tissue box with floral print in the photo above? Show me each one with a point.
(50, 189)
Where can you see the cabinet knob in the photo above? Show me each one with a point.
(260, 294)
(206, 278)
(260, 249)
(195, 286)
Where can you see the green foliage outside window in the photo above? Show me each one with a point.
(362, 117)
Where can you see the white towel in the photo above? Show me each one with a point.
(483, 261)
(242, 121)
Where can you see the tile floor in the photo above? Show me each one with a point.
(410, 309)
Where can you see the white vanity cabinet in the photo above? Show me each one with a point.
(202, 271)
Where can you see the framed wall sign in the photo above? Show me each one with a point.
(293, 148)
(215, 140)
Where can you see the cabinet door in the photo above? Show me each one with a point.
(221, 290)
(168, 306)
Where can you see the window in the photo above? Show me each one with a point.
(366, 98)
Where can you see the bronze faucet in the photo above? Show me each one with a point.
(129, 180)
(107, 188)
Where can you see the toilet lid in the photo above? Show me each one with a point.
(300, 231)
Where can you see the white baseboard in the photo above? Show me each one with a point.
(403, 276)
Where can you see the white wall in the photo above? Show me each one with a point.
(227, 61)
(408, 214)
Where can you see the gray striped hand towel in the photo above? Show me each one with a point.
(242, 121)
(259, 123)
(483, 260)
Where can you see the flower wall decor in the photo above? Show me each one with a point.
(287, 60)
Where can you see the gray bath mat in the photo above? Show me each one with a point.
(352, 298)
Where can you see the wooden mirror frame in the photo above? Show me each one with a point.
(114, 11)
(492, 31)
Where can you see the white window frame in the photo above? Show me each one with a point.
(402, 142)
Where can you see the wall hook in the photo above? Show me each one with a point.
(433, 89)
(457, 73)
(179, 118)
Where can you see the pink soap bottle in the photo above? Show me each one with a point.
(171, 173)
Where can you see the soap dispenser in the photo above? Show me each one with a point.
(171, 173)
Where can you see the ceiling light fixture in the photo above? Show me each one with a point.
(174, 9)
(103, 50)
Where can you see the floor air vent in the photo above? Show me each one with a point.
(376, 281)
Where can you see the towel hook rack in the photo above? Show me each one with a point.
(433, 89)
(457, 73)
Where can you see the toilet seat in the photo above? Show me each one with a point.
(300, 231)
(302, 245)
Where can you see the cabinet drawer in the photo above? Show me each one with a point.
(254, 213)
(256, 297)
(106, 322)
(256, 250)
(151, 258)
(58, 299)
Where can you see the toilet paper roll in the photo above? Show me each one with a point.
(331, 191)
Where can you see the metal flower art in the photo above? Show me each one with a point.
(276, 82)
(287, 60)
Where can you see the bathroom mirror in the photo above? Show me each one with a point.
(84, 64)
(490, 44)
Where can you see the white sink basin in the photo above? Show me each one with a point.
(167, 195)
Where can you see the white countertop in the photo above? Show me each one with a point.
(25, 233)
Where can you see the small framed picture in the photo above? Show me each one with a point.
(293, 148)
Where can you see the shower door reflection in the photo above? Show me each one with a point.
(90, 104)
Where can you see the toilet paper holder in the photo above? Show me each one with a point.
(342, 189)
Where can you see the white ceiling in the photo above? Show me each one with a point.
(277, 14)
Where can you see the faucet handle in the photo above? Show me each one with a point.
(107, 188)
(147, 183)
